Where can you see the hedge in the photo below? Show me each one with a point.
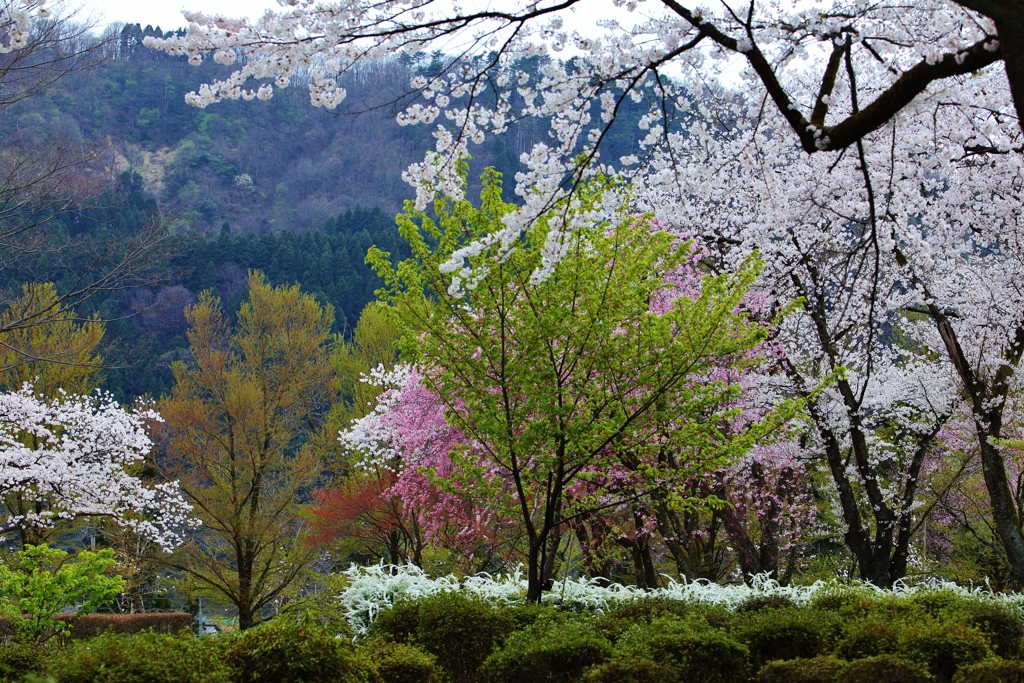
(89, 625)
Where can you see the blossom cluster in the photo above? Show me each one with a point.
(69, 457)
(16, 19)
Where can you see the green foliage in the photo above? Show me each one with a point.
(991, 671)
(936, 602)
(286, 650)
(625, 615)
(1002, 623)
(629, 671)
(943, 646)
(868, 637)
(883, 668)
(459, 631)
(788, 633)
(690, 647)
(758, 603)
(823, 669)
(399, 623)
(548, 650)
(140, 658)
(550, 362)
(397, 663)
(842, 600)
(18, 658)
(46, 581)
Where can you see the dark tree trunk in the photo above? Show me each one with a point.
(594, 558)
(988, 398)
(1011, 39)
(534, 587)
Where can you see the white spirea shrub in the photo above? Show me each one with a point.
(374, 588)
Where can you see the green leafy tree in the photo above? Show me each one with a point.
(558, 381)
(47, 580)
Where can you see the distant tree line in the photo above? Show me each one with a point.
(146, 328)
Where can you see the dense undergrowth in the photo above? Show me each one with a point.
(831, 634)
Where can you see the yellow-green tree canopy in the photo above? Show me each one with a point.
(235, 436)
(51, 348)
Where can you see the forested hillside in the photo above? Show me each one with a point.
(146, 326)
(293, 190)
(275, 165)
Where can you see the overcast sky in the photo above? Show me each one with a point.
(167, 13)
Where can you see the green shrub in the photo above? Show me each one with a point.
(398, 623)
(19, 658)
(869, 637)
(943, 646)
(759, 603)
(397, 663)
(521, 616)
(817, 670)
(629, 671)
(884, 668)
(787, 634)
(715, 616)
(991, 671)
(692, 649)
(626, 615)
(286, 650)
(139, 658)
(849, 602)
(89, 625)
(548, 650)
(1002, 623)
(938, 602)
(459, 631)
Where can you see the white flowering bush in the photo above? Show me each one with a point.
(374, 588)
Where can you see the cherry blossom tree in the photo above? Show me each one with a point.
(796, 60)
(70, 456)
(905, 251)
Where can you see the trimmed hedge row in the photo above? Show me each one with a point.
(90, 625)
(451, 638)
(841, 638)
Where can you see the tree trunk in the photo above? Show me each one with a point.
(534, 587)
(594, 559)
(1009, 20)
(987, 401)
(245, 617)
(646, 576)
(1004, 508)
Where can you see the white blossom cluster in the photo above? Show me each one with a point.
(67, 457)
(371, 589)
(371, 435)
(16, 19)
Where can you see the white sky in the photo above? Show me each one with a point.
(167, 13)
